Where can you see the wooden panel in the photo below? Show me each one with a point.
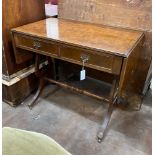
(30, 43)
(129, 87)
(17, 92)
(100, 61)
(144, 60)
(17, 13)
(4, 64)
(130, 14)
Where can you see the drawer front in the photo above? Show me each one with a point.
(104, 62)
(32, 44)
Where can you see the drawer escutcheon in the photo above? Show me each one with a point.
(36, 45)
(84, 58)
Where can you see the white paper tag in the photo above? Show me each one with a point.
(82, 74)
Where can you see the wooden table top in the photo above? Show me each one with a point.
(117, 41)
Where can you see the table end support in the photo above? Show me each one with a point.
(102, 130)
(38, 93)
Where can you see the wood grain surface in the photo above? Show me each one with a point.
(14, 14)
(135, 14)
(117, 41)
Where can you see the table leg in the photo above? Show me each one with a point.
(38, 93)
(41, 75)
(51, 68)
(102, 130)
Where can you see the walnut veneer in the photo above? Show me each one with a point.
(110, 50)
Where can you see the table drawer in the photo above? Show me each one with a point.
(103, 62)
(30, 43)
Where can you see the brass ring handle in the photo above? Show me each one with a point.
(36, 45)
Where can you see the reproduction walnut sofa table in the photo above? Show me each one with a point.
(103, 48)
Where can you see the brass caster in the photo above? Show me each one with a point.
(99, 140)
(100, 137)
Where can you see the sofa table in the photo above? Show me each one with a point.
(107, 49)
